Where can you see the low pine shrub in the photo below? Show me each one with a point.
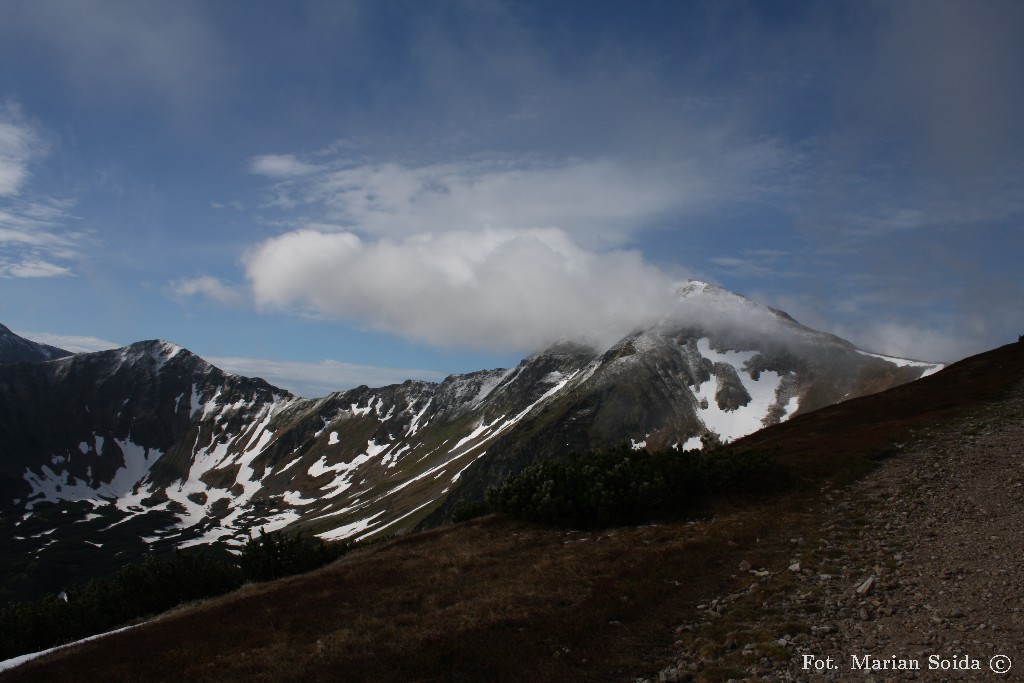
(275, 555)
(624, 486)
(153, 586)
(136, 590)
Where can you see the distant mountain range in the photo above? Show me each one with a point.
(105, 456)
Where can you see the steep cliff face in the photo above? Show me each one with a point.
(112, 454)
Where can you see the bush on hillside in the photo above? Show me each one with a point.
(136, 590)
(624, 486)
(275, 555)
(153, 586)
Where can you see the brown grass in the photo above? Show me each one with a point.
(491, 600)
(487, 600)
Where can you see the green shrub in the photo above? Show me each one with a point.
(624, 486)
(150, 587)
(467, 511)
(274, 555)
(136, 590)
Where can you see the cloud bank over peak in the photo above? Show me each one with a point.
(494, 289)
(495, 253)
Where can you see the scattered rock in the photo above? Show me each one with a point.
(865, 587)
(907, 526)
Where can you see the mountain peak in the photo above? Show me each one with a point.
(697, 291)
(696, 288)
(17, 349)
(159, 346)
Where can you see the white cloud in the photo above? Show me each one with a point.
(209, 287)
(496, 251)
(313, 380)
(771, 263)
(503, 254)
(32, 268)
(495, 289)
(280, 166)
(73, 343)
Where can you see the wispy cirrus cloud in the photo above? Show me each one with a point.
(20, 145)
(276, 166)
(71, 342)
(34, 240)
(601, 202)
(210, 288)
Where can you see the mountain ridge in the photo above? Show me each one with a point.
(149, 447)
(17, 349)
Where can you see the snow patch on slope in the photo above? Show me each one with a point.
(733, 424)
(51, 486)
(930, 368)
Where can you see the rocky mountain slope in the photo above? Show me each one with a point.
(108, 455)
(906, 575)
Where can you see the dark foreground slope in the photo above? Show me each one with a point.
(493, 600)
(934, 539)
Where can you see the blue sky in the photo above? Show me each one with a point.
(335, 193)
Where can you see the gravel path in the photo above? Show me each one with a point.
(919, 564)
